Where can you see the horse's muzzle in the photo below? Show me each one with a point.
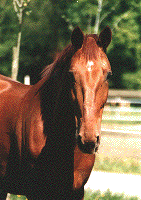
(88, 147)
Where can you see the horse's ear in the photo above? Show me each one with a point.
(77, 38)
(105, 37)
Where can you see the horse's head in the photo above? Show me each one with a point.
(90, 68)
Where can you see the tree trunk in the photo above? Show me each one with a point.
(15, 62)
(16, 50)
(97, 21)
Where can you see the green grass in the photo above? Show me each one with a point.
(17, 197)
(115, 113)
(118, 166)
(106, 196)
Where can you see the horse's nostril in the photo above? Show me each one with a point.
(90, 145)
(97, 139)
(86, 147)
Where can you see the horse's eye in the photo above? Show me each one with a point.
(109, 74)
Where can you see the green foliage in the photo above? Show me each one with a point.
(17, 197)
(81, 13)
(124, 53)
(47, 28)
(42, 31)
(132, 80)
(8, 35)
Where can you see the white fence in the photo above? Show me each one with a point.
(122, 108)
(122, 114)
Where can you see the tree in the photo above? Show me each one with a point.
(19, 7)
(8, 33)
(48, 28)
(97, 20)
(44, 32)
(125, 49)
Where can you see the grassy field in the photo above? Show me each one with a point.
(106, 196)
(128, 166)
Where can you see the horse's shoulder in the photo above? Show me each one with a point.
(30, 122)
(34, 127)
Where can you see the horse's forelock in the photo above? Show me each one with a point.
(89, 50)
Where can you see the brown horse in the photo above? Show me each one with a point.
(41, 155)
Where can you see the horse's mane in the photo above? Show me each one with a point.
(62, 60)
(54, 79)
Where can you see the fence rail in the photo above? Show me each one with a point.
(125, 93)
(122, 109)
(122, 113)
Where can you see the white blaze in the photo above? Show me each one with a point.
(89, 65)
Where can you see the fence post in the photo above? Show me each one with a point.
(27, 80)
